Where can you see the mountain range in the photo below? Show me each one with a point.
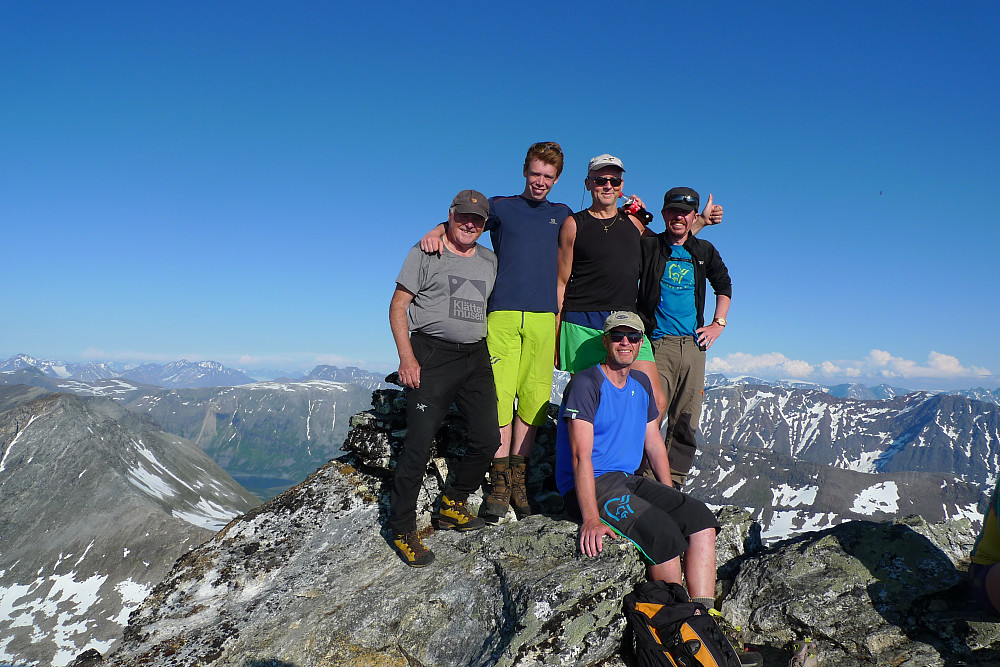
(267, 435)
(77, 465)
(181, 373)
(97, 503)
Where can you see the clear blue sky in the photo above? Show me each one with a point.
(241, 181)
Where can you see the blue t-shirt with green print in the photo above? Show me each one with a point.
(676, 314)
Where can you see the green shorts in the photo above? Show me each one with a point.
(580, 346)
(522, 350)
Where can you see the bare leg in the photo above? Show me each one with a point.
(523, 438)
(699, 564)
(669, 571)
(505, 432)
(993, 585)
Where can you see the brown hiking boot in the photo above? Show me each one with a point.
(496, 504)
(455, 514)
(518, 491)
(412, 550)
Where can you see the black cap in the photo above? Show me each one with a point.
(685, 199)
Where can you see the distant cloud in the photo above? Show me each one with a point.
(938, 365)
(770, 364)
(878, 366)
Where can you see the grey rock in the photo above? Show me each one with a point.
(868, 593)
(309, 579)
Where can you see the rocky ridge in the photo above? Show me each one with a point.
(309, 579)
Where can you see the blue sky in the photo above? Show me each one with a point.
(241, 181)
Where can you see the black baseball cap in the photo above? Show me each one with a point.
(684, 199)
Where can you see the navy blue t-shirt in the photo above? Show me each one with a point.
(525, 238)
(619, 417)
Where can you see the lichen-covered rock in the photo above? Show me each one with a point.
(867, 594)
(309, 580)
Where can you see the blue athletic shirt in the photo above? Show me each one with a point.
(619, 417)
(676, 314)
(525, 238)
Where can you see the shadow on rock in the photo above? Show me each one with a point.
(867, 593)
(917, 588)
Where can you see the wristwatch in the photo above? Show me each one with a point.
(721, 321)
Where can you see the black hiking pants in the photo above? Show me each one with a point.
(449, 372)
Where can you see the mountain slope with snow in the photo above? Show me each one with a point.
(97, 504)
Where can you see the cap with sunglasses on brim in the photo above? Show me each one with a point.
(685, 199)
(623, 318)
(471, 201)
(602, 161)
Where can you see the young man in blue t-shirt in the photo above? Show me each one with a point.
(607, 421)
(521, 332)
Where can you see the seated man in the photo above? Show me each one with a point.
(608, 418)
(438, 320)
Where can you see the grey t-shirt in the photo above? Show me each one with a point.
(450, 292)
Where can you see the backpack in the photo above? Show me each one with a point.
(671, 630)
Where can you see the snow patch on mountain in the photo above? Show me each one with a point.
(207, 515)
(64, 595)
(883, 497)
(787, 523)
(785, 495)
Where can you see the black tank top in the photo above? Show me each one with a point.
(605, 273)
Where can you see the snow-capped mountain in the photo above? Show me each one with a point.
(981, 394)
(349, 375)
(923, 432)
(98, 503)
(87, 372)
(267, 435)
(189, 374)
(805, 459)
(181, 373)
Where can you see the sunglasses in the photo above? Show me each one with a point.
(682, 199)
(601, 180)
(633, 337)
(546, 145)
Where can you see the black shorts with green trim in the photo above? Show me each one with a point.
(656, 518)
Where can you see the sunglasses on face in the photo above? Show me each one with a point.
(633, 337)
(601, 180)
(682, 199)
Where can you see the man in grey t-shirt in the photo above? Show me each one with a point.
(438, 320)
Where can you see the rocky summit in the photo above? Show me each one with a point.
(309, 579)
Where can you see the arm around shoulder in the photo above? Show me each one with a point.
(432, 240)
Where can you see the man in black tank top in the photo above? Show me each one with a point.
(599, 265)
(598, 271)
